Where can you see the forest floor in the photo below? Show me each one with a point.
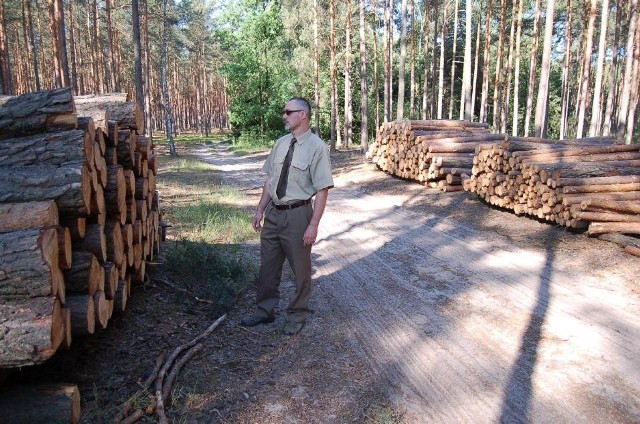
(428, 307)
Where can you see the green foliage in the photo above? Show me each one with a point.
(259, 75)
(209, 271)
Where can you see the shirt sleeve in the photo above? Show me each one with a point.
(321, 169)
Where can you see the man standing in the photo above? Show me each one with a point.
(297, 168)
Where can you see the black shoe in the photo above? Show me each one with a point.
(255, 319)
(292, 327)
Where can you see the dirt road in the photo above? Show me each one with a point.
(429, 308)
(434, 307)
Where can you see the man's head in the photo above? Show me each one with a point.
(297, 115)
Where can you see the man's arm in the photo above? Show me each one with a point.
(265, 198)
(320, 202)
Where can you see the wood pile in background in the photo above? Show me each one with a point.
(591, 183)
(435, 153)
(78, 217)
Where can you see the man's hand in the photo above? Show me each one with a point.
(310, 235)
(256, 222)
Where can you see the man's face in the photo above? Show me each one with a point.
(292, 116)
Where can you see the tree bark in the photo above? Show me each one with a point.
(542, 104)
(29, 261)
(86, 275)
(583, 91)
(364, 90)
(401, 61)
(36, 112)
(596, 104)
(35, 329)
(29, 215)
(533, 67)
(69, 185)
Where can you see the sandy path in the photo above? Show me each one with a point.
(470, 314)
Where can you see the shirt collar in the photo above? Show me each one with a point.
(303, 137)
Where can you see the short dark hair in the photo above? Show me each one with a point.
(302, 104)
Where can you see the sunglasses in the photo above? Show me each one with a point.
(289, 112)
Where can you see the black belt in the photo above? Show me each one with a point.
(292, 205)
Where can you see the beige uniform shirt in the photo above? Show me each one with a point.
(310, 169)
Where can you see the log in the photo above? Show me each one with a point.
(632, 250)
(68, 185)
(94, 241)
(125, 148)
(127, 114)
(86, 275)
(41, 404)
(28, 215)
(51, 148)
(64, 247)
(111, 276)
(568, 199)
(112, 134)
(601, 188)
(115, 194)
(96, 112)
(102, 309)
(617, 179)
(102, 98)
(29, 264)
(37, 112)
(32, 330)
(115, 244)
(589, 170)
(77, 225)
(83, 314)
(622, 206)
(605, 216)
(122, 295)
(614, 227)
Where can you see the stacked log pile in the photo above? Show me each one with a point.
(78, 217)
(589, 183)
(436, 153)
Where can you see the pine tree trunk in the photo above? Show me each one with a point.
(348, 104)
(401, 61)
(564, 109)
(454, 58)
(586, 70)
(334, 73)
(425, 71)
(613, 74)
(625, 99)
(596, 104)
(542, 112)
(516, 73)
(486, 67)
(498, 86)
(533, 67)
(364, 91)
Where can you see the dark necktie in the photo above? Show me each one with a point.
(281, 190)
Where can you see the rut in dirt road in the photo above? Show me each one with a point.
(470, 314)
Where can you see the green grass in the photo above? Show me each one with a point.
(210, 223)
(211, 272)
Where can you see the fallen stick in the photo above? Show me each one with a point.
(162, 417)
(176, 369)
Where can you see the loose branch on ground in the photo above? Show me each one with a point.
(170, 368)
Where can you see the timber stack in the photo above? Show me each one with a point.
(589, 183)
(79, 218)
(436, 153)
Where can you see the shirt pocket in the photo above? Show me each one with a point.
(300, 172)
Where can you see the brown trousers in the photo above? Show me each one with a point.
(281, 238)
